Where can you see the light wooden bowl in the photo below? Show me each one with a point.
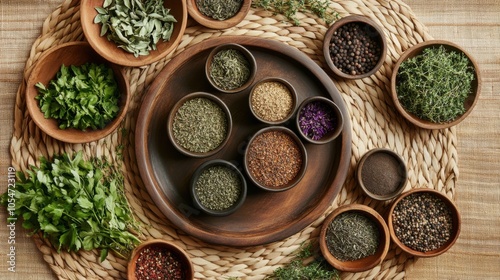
(374, 31)
(182, 256)
(364, 263)
(470, 102)
(210, 22)
(455, 232)
(111, 52)
(73, 53)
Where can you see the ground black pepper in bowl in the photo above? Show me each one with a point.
(354, 47)
(424, 222)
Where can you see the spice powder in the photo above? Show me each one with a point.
(274, 159)
(382, 174)
(272, 101)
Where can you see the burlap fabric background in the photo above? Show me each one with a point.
(431, 156)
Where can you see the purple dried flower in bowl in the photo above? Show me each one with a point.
(319, 120)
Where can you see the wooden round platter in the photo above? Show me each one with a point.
(265, 217)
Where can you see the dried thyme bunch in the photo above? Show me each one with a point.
(435, 84)
(135, 25)
(289, 8)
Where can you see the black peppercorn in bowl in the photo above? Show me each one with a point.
(424, 222)
(230, 14)
(354, 238)
(273, 100)
(354, 47)
(218, 188)
(199, 124)
(382, 174)
(175, 262)
(435, 84)
(319, 120)
(275, 159)
(230, 68)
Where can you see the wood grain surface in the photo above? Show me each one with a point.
(473, 24)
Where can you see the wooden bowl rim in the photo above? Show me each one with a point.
(293, 93)
(125, 58)
(341, 22)
(417, 49)
(397, 157)
(218, 162)
(457, 221)
(179, 103)
(299, 143)
(209, 22)
(50, 126)
(331, 135)
(186, 260)
(349, 266)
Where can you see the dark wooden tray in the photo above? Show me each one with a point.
(265, 217)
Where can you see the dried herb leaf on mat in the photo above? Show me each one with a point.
(76, 204)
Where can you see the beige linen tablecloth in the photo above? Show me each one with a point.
(475, 25)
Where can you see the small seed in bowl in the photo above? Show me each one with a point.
(272, 101)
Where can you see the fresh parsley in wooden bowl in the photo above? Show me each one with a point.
(435, 84)
(76, 96)
(133, 33)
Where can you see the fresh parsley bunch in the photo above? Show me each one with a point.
(81, 97)
(77, 204)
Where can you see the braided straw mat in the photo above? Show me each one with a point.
(431, 156)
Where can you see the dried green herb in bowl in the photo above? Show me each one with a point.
(219, 9)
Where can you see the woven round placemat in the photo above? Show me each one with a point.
(431, 156)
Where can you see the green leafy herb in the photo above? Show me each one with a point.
(77, 204)
(229, 69)
(435, 84)
(135, 25)
(219, 9)
(80, 97)
(289, 8)
(302, 268)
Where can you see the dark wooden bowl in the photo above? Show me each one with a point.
(179, 253)
(248, 55)
(454, 233)
(196, 200)
(401, 174)
(293, 94)
(171, 117)
(330, 136)
(210, 22)
(364, 263)
(111, 52)
(300, 173)
(469, 103)
(375, 32)
(73, 53)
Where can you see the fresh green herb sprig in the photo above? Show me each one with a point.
(76, 204)
(435, 84)
(80, 97)
(135, 25)
(300, 269)
(290, 8)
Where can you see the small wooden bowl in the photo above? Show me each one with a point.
(171, 118)
(210, 22)
(469, 103)
(196, 201)
(178, 253)
(298, 176)
(293, 94)
(376, 159)
(45, 70)
(456, 220)
(364, 263)
(111, 52)
(372, 29)
(331, 135)
(248, 55)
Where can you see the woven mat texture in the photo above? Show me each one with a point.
(431, 156)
